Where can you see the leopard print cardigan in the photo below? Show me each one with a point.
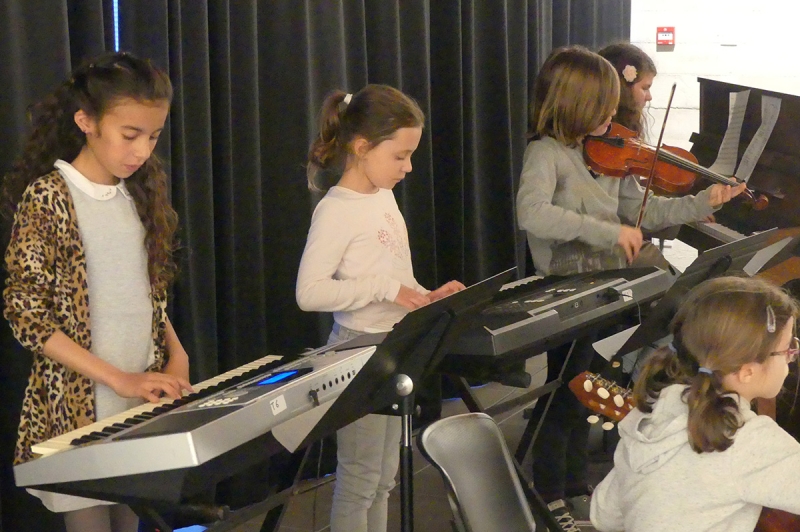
(47, 290)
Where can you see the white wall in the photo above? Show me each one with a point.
(741, 41)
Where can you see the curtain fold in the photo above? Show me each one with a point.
(249, 79)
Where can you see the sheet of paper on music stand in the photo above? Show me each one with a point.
(729, 149)
(608, 347)
(763, 256)
(770, 109)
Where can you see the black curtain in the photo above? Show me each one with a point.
(249, 78)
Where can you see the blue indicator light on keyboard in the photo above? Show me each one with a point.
(278, 377)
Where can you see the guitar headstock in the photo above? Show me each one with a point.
(602, 396)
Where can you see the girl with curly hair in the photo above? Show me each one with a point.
(89, 261)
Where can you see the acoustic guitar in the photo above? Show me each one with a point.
(603, 397)
(608, 399)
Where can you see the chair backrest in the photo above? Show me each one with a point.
(482, 483)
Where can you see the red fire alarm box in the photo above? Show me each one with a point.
(665, 35)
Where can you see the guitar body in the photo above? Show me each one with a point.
(615, 402)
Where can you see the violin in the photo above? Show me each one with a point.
(619, 153)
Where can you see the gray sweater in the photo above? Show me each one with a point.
(659, 484)
(573, 218)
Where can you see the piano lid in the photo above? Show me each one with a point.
(776, 85)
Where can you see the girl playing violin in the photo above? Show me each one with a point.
(693, 455)
(578, 221)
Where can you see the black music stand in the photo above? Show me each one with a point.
(749, 255)
(408, 352)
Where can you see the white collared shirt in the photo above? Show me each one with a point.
(90, 188)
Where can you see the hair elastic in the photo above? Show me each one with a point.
(705, 370)
(671, 347)
(347, 98)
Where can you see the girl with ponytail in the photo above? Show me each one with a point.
(357, 264)
(693, 455)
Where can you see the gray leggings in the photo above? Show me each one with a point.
(368, 452)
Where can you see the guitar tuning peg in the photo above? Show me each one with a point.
(603, 393)
(587, 385)
(615, 364)
(619, 401)
(608, 425)
(593, 419)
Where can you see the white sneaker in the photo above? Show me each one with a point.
(562, 515)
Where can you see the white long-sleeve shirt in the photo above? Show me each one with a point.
(659, 484)
(355, 260)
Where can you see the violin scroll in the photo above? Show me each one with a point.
(758, 203)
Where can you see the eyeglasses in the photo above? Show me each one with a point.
(792, 352)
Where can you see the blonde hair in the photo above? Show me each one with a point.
(575, 91)
(374, 113)
(721, 325)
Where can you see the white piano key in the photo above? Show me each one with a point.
(63, 442)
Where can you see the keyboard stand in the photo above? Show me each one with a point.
(219, 518)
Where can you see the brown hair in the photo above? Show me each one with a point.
(621, 55)
(95, 87)
(721, 326)
(374, 113)
(575, 91)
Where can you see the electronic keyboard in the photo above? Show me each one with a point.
(156, 450)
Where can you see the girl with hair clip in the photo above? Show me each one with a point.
(577, 221)
(89, 261)
(693, 455)
(357, 264)
(636, 73)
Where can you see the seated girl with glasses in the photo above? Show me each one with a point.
(693, 456)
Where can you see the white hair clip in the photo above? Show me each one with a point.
(771, 325)
(629, 73)
(347, 98)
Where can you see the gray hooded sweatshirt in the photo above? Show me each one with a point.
(659, 484)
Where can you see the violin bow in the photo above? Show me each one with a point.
(655, 159)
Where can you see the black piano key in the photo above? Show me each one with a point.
(194, 396)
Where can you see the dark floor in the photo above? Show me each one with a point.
(309, 509)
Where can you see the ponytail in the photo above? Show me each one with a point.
(713, 413)
(664, 368)
(326, 151)
(54, 135)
